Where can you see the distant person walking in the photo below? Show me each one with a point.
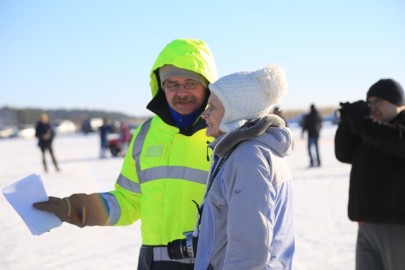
(277, 111)
(45, 134)
(104, 130)
(312, 123)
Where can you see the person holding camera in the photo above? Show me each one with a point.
(166, 167)
(371, 137)
(247, 215)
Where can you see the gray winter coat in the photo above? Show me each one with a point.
(247, 218)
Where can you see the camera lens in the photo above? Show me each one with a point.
(177, 249)
(183, 248)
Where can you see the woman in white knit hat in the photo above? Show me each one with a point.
(247, 215)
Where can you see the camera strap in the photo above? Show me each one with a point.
(211, 179)
(215, 172)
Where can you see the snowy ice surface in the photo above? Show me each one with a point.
(325, 238)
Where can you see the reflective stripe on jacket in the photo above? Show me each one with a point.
(158, 186)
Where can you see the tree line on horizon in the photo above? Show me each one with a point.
(10, 116)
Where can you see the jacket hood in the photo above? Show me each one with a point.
(269, 130)
(190, 54)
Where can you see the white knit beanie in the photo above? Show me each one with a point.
(249, 95)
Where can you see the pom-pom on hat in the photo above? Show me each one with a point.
(249, 95)
(171, 71)
(389, 90)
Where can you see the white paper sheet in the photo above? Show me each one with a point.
(22, 194)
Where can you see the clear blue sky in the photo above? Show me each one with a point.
(85, 54)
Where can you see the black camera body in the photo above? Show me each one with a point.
(358, 109)
(183, 248)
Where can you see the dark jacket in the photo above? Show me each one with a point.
(377, 180)
(105, 129)
(41, 129)
(312, 123)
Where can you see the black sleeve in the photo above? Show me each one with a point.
(388, 137)
(52, 131)
(37, 131)
(345, 142)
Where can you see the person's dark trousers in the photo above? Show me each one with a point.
(380, 246)
(50, 150)
(313, 144)
(146, 262)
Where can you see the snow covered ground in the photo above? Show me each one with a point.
(325, 238)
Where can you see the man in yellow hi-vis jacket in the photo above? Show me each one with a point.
(166, 167)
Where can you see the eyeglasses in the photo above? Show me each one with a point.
(375, 102)
(175, 86)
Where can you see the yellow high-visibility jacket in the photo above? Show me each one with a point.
(165, 168)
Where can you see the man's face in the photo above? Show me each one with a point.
(184, 95)
(381, 109)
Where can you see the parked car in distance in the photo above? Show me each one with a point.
(26, 131)
(64, 127)
(8, 132)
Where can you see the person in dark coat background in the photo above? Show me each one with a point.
(312, 123)
(104, 130)
(277, 111)
(371, 137)
(45, 134)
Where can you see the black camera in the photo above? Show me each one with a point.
(359, 109)
(183, 248)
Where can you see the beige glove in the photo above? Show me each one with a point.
(78, 209)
